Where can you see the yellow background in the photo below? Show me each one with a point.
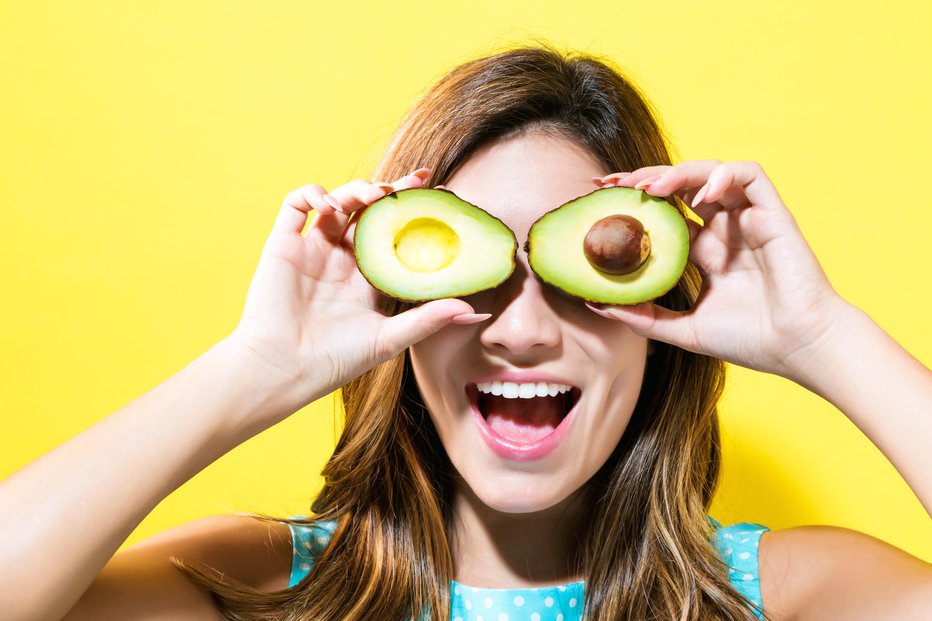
(146, 148)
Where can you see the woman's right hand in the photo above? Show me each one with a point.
(311, 314)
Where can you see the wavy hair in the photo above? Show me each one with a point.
(646, 548)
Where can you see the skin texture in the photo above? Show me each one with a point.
(506, 508)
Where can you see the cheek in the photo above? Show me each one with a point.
(433, 356)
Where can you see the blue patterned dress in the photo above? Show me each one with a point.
(736, 544)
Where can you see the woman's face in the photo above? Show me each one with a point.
(521, 455)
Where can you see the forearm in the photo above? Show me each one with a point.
(65, 514)
(884, 390)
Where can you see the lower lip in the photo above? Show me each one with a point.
(518, 451)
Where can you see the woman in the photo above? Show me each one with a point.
(419, 515)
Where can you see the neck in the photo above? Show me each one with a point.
(514, 550)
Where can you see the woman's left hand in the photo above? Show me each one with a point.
(765, 300)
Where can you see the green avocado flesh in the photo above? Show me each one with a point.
(556, 252)
(424, 244)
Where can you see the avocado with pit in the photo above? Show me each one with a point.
(615, 245)
(422, 244)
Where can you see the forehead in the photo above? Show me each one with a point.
(519, 179)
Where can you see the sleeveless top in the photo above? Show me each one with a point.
(736, 545)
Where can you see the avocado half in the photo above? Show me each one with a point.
(557, 252)
(422, 244)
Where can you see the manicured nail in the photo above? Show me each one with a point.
(646, 182)
(471, 318)
(423, 173)
(386, 187)
(702, 192)
(333, 203)
(599, 311)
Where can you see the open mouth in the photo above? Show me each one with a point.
(523, 420)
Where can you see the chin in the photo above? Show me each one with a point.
(519, 492)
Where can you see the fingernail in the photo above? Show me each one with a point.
(333, 203)
(386, 187)
(698, 199)
(471, 317)
(597, 180)
(599, 311)
(423, 173)
(646, 182)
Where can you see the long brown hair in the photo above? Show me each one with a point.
(646, 548)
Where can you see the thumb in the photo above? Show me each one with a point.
(415, 324)
(654, 322)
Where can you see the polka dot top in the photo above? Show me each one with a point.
(736, 544)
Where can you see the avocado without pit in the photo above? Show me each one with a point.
(421, 244)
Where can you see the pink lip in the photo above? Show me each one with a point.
(520, 377)
(518, 451)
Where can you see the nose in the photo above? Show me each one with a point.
(523, 325)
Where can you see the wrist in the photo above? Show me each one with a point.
(270, 393)
(813, 362)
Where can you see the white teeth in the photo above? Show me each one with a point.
(512, 390)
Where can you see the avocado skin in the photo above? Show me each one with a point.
(529, 247)
(394, 195)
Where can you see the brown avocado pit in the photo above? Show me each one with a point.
(617, 244)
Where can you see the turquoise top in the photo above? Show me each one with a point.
(736, 544)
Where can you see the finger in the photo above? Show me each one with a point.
(355, 195)
(654, 322)
(403, 330)
(636, 176)
(683, 179)
(293, 214)
(359, 193)
(755, 186)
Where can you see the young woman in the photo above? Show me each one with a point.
(424, 513)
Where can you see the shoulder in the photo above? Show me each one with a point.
(142, 578)
(831, 572)
(256, 552)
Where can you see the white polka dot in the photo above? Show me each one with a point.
(456, 589)
(745, 540)
(747, 577)
(757, 544)
(744, 555)
(305, 566)
(502, 616)
(548, 602)
(321, 540)
(479, 618)
(562, 588)
(728, 552)
(727, 536)
(488, 602)
(307, 545)
(572, 602)
(468, 604)
(560, 616)
(519, 601)
(535, 617)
